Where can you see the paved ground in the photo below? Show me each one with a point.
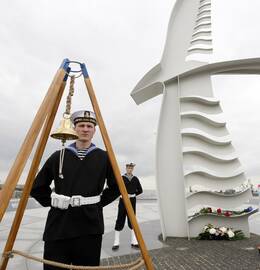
(175, 253)
(201, 255)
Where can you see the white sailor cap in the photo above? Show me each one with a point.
(83, 116)
(130, 164)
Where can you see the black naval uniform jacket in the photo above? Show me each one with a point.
(85, 177)
(133, 186)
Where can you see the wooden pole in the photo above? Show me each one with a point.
(31, 176)
(29, 141)
(119, 179)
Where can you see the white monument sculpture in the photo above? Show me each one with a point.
(196, 164)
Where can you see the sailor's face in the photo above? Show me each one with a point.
(85, 131)
(129, 170)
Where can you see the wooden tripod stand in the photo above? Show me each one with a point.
(44, 118)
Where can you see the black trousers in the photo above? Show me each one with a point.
(83, 250)
(122, 214)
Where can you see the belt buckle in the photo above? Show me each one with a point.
(75, 201)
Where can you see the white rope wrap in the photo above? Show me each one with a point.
(62, 152)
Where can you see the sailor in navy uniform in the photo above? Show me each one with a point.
(133, 188)
(75, 225)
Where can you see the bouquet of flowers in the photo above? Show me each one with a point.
(227, 213)
(220, 233)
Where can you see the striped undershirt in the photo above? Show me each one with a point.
(82, 153)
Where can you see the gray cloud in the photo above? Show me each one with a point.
(119, 41)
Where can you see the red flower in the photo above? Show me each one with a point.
(219, 211)
(228, 213)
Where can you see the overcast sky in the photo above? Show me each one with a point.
(119, 41)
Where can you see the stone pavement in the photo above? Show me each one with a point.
(193, 254)
(175, 253)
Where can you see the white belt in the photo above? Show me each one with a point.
(63, 202)
(129, 195)
(78, 200)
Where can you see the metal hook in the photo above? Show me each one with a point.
(75, 71)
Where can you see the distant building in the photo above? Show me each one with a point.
(17, 192)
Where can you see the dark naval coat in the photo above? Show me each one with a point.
(132, 185)
(85, 177)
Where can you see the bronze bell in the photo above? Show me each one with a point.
(65, 130)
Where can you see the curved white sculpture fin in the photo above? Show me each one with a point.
(179, 36)
(194, 151)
